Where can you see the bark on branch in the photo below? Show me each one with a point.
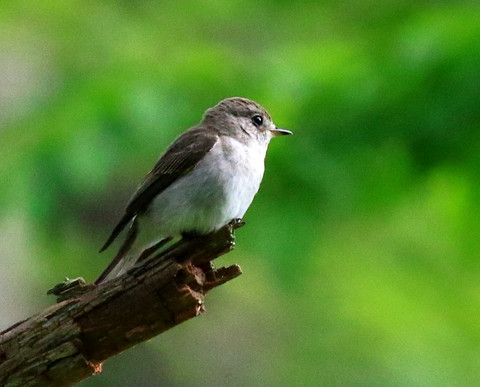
(68, 342)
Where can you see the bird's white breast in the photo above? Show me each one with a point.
(221, 187)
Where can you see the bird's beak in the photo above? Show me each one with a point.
(280, 132)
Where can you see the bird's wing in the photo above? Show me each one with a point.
(179, 159)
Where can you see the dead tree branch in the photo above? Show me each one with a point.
(68, 342)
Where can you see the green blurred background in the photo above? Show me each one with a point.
(361, 254)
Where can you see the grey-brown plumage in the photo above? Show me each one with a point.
(207, 177)
(179, 159)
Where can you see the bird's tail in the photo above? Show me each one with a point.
(125, 258)
(133, 250)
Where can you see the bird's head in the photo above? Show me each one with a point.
(242, 119)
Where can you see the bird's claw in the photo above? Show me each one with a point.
(236, 223)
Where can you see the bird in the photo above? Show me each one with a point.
(207, 177)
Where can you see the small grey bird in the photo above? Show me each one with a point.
(207, 177)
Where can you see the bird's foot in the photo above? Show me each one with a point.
(237, 223)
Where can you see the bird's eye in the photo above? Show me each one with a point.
(257, 120)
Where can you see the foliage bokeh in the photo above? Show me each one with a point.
(361, 253)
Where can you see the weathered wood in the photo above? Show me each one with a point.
(68, 342)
